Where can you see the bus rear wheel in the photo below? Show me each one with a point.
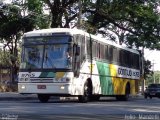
(95, 97)
(43, 98)
(126, 96)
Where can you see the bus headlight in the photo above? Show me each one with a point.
(23, 87)
(62, 87)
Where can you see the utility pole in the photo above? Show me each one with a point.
(79, 14)
(143, 80)
(154, 81)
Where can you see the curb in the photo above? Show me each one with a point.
(16, 98)
(9, 96)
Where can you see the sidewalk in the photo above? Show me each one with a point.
(16, 96)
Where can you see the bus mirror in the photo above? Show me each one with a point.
(78, 51)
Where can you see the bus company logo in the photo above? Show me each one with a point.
(129, 73)
(27, 75)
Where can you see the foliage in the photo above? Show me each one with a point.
(37, 15)
(137, 23)
(13, 23)
(151, 77)
(63, 12)
(11, 28)
(4, 59)
(147, 69)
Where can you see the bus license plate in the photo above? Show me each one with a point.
(41, 86)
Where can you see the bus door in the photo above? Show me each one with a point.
(76, 60)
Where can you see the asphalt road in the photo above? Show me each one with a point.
(105, 109)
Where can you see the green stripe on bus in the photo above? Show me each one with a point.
(105, 79)
(47, 74)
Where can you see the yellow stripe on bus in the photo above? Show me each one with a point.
(59, 74)
(119, 84)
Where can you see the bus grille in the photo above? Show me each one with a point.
(42, 80)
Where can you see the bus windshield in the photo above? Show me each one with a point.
(55, 56)
(46, 56)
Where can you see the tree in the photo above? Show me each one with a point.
(153, 77)
(10, 32)
(137, 23)
(12, 26)
(4, 59)
(147, 69)
(63, 12)
(36, 14)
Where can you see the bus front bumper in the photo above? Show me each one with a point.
(46, 88)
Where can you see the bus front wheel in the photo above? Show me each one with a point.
(43, 98)
(87, 93)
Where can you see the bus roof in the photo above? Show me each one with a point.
(74, 31)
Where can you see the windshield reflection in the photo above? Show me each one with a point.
(46, 56)
(33, 56)
(55, 56)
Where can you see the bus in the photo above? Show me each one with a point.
(71, 62)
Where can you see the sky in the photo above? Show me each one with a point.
(154, 57)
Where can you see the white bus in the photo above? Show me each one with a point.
(71, 62)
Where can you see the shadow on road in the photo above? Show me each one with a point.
(68, 100)
(71, 117)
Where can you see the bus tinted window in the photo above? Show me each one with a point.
(106, 52)
(47, 39)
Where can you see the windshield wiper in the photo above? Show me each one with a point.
(29, 67)
(50, 61)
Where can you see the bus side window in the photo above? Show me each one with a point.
(122, 57)
(106, 52)
(127, 58)
(102, 51)
(98, 50)
(118, 55)
(83, 42)
(88, 47)
(115, 54)
(93, 49)
(131, 59)
(110, 53)
(136, 61)
(76, 60)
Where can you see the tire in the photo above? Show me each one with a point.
(87, 93)
(127, 93)
(95, 98)
(119, 97)
(150, 97)
(43, 98)
(145, 96)
(126, 96)
(122, 97)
